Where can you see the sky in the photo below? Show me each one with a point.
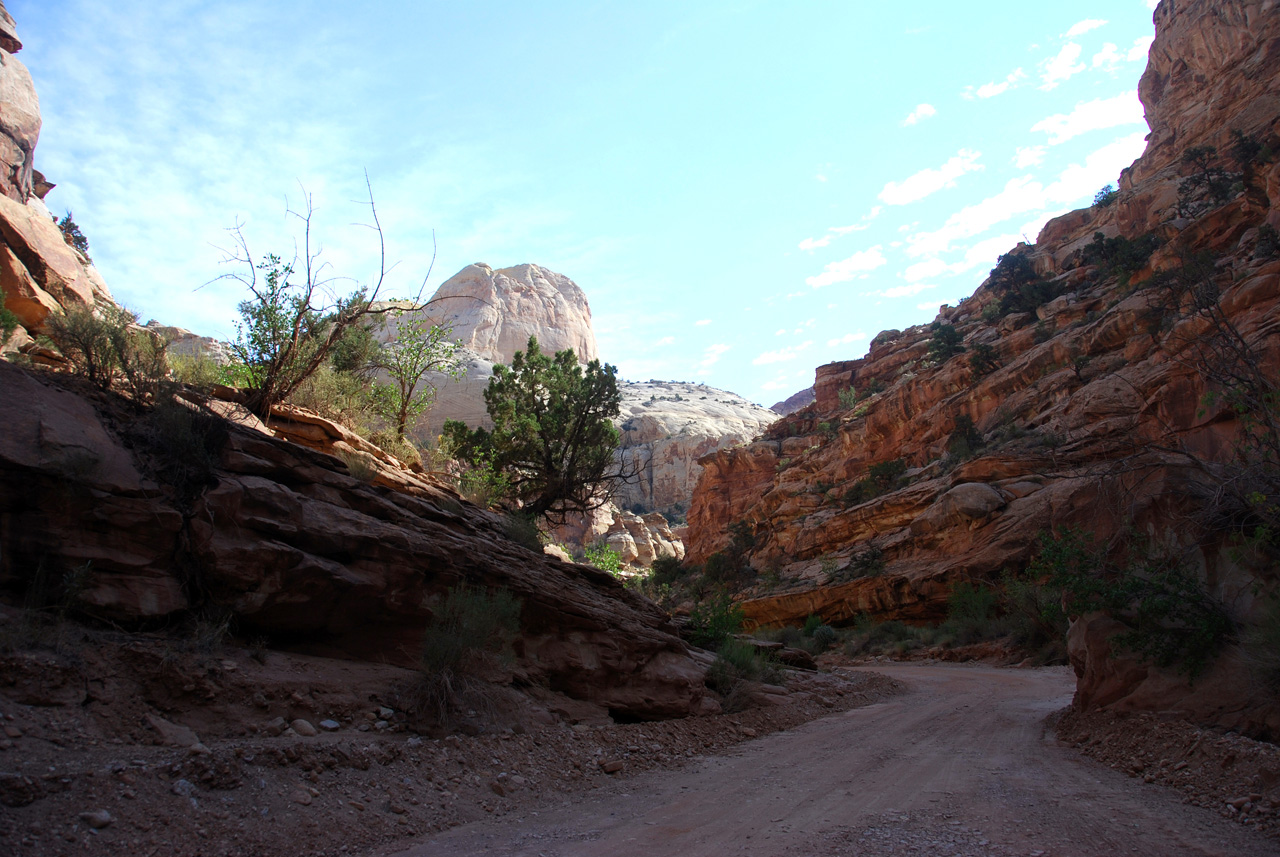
(744, 190)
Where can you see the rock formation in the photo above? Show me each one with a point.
(1090, 408)
(666, 427)
(300, 551)
(20, 118)
(794, 402)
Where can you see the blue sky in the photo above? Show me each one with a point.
(745, 190)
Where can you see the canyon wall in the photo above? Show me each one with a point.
(1090, 409)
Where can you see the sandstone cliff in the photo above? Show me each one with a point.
(298, 550)
(1090, 410)
(666, 427)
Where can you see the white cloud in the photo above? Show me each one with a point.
(780, 331)
(1056, 69)
(926, 270)
(666, 340)
(703, 322)
(1101, 167)
(931, 306)
(1140, 48)
(1023, 195)
(781, 355)
(712, 355)
(847, 339)
(873, 213)
(778, 384)
(992, 89)
(1151, 4)
(820, 177)
(1019, 195)
(907, 291)
(1084, 26)
(922, 111)
(1123, 109)
(815, 243)
(1028, 156)
(929, 181)
(1108, 58)
(832, 232)
(848, 269)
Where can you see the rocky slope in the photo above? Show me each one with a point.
(1091, 411)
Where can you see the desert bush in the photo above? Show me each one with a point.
(965, 440)
(604, 558)
(944, 343)
(1268, 243)
(713, 621)
(470, 630)
(666, 569)
(8, 322)
(1106, 196)
(738, 662)
(105, 347)
(522, 528)
(393, 444)
(336, 395)
(971, 613)
(1208, 184)
(880, 479)
(1172, 618)
(824, 637)
(199, 371)
(361, 465)
(71, 233)
(848, 398)
(184, 444)
(983, 360)
(1120, 256)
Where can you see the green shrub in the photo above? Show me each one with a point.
(390, 442)
(185, 445)
(714, 621)
(343, 397)
(811, 624)
(1268, 243)
(522, 528)
(880, 479)
(1106, 196)
(944, 343)
(469, 630)
(965, 440)
(8, 322)
(737, 662)
(1120, 256)
(1207, 186)
(848, 398)
(71, 233)
(106, 347)
(604, 558)
(824, 637)
(1172, 619)
(1033, 609)
(983, 359)
(666, 569)
(971, 612)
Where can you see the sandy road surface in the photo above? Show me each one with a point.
(961, 764)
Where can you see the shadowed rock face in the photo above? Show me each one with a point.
(300, 551)
(1093, 414)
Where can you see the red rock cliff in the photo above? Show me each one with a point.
(1092, 410)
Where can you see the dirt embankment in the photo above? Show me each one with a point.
(96, 753)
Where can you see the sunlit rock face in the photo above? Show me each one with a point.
(1091, 410)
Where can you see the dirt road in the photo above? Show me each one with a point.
(961, 764)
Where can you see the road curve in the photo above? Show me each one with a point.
(961, 763)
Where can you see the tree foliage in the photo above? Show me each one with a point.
(420, 346)
(553, 438)
(294, 319)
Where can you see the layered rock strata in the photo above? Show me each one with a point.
(1091, 411)
(297, 550)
